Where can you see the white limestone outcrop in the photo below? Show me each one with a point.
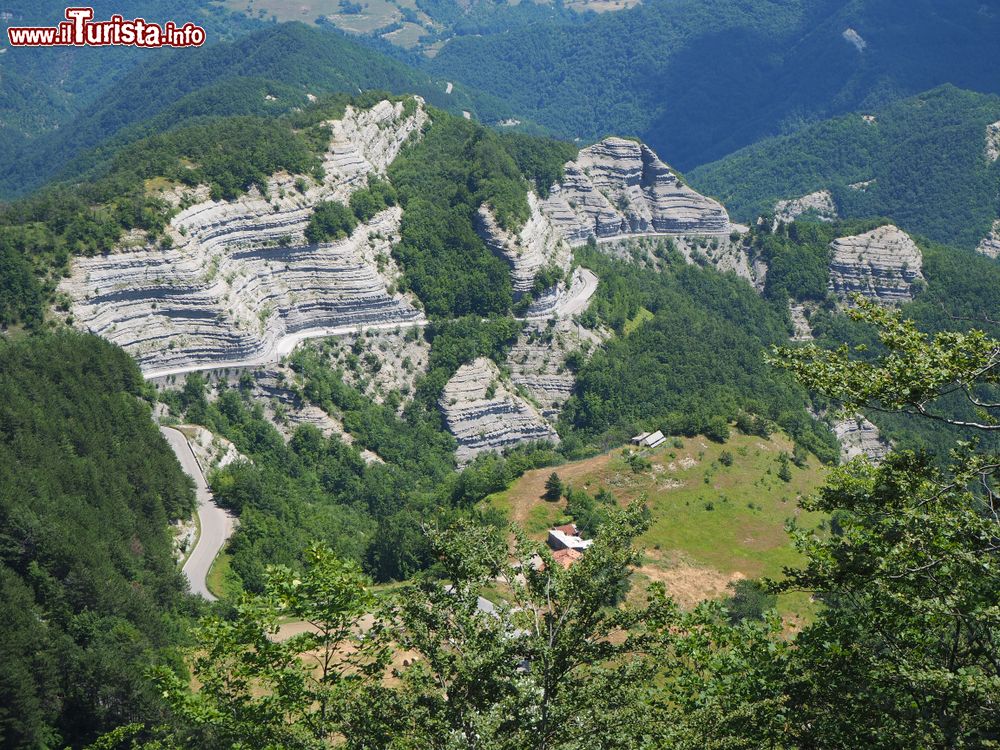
(799, 313)
(859, 437)
(993, 141)
(485, 415)
(240, 283)
(990, 245)
(620, 187)
(819, 204)
(882, 264)
(210, 450)
(537, 361)
(538, 244)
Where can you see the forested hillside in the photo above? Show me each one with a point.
(921, 161)
(91, 593)
(44, 89)
(189, 83)
(698, 79)
(688, 358)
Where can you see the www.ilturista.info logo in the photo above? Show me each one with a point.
(80, 30)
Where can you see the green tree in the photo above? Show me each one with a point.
(330, 220)
(906, 652)
(553, 487)
(261, 689)
(542, 671)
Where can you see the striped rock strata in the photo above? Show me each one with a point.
(990, 245)
(859, 437)
(536, 245)
(239, 283)
(619, 187)
(484, 415)
(537, 361)
(882, 264)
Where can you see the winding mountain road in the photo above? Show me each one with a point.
(217, 525)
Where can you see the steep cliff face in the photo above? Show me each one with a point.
(536, 245)
(239, 282)
(993, 142)
(882, 264)
(859, 437)
(819, 203)
(991, 243)
(484, 414)
(619, 187)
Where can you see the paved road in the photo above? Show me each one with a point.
(285, 345)
(574, 301)
(579, 295)
(216, 524)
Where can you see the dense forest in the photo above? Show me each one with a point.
(698, 80)
(923, 159)
(442, 180)
(688, 357)
(44, 89)
(91, 592)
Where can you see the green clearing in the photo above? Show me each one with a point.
(642, 316)
(221, 580)
(711, 523)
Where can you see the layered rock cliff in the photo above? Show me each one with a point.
(538, 244)
(882, 264)
(240, 283)
(859, 437)
(991, 243)
(619, 187)
(485, 415)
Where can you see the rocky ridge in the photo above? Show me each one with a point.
(620, 187)
(537, 361)
(485, 415)
(536, 245)
(240, 282)
(990, 245)
(859, 437)
(882, 264)
(819, 204)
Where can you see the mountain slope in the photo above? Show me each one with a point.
(921, 162)
(307, 59)
(42, 89)
(89, 587)
(697, 79)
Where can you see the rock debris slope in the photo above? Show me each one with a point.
(882, 264)
(484, 415)
(537, 361)
(819, 203)
(240, 282)
(619, 187)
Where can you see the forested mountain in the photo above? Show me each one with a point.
(698, 79)
(921, 161)
(373, 314)
(203, 82)
(91, 593)
(43, 89)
